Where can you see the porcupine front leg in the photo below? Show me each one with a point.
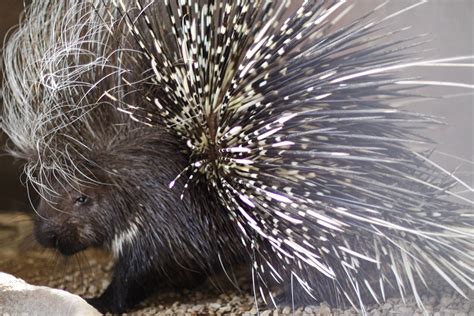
(128, 287)
(134, 281)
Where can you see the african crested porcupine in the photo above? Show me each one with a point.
(246, 134)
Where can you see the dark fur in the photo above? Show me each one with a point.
(177, 238)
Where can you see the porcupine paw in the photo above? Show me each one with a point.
(101, 305)
(105, 305)
(97, 303)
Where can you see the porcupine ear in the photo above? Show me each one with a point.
(292, 125)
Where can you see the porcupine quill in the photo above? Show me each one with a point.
(269, 141)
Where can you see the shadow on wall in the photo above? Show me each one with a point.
(12, 193)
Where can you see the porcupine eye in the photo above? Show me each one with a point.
(82, 199)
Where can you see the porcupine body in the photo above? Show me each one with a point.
(264, 140)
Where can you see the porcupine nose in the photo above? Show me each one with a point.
(46, 235)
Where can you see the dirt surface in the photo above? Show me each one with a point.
(87, 275)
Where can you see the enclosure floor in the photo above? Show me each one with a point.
(88, 274)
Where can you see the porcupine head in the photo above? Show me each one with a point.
(282, 129)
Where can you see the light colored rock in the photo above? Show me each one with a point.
(20, 298)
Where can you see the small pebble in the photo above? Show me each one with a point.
(214, 306)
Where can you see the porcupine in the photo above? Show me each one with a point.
(251, 139)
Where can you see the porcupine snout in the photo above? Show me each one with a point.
(58, 231)
(66, 223)
(46, 233)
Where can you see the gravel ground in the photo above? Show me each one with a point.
(88, 275)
